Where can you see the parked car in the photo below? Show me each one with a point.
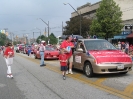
(49, 53)
(20, 48)
(26, 49)
(101, 57)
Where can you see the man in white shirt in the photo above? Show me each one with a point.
(41, 50)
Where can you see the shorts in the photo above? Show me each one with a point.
(63, 68)
(126, 50)
(9, 61)
(70, 59)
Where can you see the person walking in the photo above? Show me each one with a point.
(63, 63)
(29, 51)
(9, 54)
(67, 46)
(41, 50)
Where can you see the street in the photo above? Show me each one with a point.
(34, 82)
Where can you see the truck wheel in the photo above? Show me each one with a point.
(88, 70)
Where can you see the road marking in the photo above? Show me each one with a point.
(129, 88)
(97, 83)
(100, 80)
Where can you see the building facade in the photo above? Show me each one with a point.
(89, 10)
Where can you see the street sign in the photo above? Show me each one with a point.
(128, 27)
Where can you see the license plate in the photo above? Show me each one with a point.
(121, 66)
(54, 56)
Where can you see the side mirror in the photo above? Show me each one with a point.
(80, 50)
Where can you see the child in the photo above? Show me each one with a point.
(63, 63)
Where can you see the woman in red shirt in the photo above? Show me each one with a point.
(9, 54)
(63, 63)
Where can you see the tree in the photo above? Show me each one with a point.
(72, 26)
(39, 39)
(53, 39)
(108, 20)
(3, 39)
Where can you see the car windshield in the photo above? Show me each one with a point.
(98, 45)
(50, 48)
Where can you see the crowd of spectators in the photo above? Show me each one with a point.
(125, 47)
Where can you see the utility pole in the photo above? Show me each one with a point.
(46, 24)
(12, 37)
(62, 27)
(33, 37)
(45, 31)
(48, 28)
(79, 14)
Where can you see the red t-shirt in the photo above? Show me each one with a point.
(9, 52)
(63, 57)
(65, 44)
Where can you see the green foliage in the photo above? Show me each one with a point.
(42, 38)
(108, 20)
(73, 26)
(3, 39)
(16, 42)
(52, 39)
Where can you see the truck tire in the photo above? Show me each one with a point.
(88, 70)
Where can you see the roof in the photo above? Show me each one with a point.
(120, 37)
(130, 35)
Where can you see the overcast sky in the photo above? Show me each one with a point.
(21, 16)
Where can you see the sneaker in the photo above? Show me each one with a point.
(11, 76)
(8, 76)
(43, 65)
(70, 72)
(64, 78)
(67, 72)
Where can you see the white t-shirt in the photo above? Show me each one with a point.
(119, 46)
(42, 48)
(127, 45)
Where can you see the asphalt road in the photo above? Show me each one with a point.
(34, 82)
